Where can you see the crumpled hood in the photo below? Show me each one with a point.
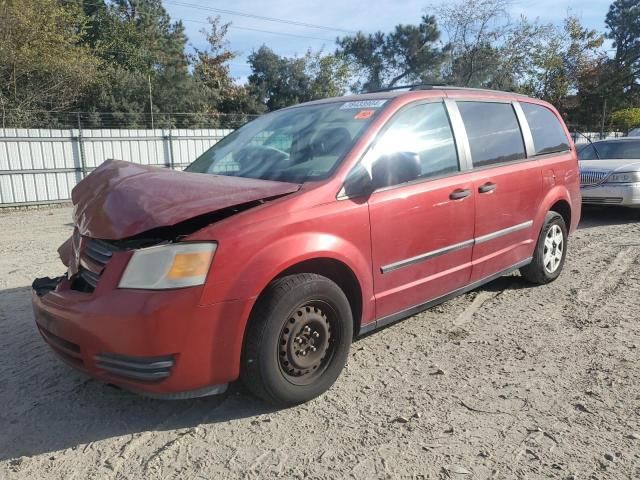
(121, 199)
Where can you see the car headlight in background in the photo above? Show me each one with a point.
(624, 177)
(168, 266)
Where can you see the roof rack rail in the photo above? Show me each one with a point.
(479, 89)
(417, 86)
(441, 86)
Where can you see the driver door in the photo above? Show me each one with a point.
(421, 229)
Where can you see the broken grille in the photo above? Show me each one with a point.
(94, 257)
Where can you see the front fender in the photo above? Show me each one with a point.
(276, 257)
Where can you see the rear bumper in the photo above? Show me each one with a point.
(163, 344)
(624, 194)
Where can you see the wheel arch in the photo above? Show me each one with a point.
(563, 208)
(339, 273)
(336, 271)
(558, 200)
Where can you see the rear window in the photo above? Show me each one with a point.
(493, 131)
(613, 149)
(547, 132)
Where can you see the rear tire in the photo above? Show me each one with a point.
(550, 252)
(297, 340)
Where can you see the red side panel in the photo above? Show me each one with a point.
(505, 216)
(419, 220)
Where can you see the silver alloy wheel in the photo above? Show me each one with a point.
(553, 249)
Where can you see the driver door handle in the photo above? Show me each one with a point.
(487, 187)
(459, 194)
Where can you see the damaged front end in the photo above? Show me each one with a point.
(86, 258)
(44, 285)
(123, 207)
(120, 312)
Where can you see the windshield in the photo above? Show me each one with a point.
(613, 149)
(292, 145)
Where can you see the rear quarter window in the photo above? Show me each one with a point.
(493, 131)
(546, 130)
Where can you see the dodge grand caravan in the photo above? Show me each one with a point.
(302, 230)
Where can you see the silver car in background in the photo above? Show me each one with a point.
(610, 172)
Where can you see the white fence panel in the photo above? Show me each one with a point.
(41, 166)
(586, 137)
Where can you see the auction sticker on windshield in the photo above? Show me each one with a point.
(361, 104)
(363, 114)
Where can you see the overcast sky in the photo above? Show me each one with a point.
(347, 15)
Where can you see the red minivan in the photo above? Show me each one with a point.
(302, 230)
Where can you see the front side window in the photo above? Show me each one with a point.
(548, 135)
(417, 143)
(493, 131)
(293, 145)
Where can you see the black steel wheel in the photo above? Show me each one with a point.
(297, 340)
(306, 343)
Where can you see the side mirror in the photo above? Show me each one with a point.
(358, 182)
(395, 168)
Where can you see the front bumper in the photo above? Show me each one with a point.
(623, 194)
(163, 344)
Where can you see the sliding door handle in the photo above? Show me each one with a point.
(487, 187)
(459, 194)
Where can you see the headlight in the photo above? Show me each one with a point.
(168, 266)
(624, 177)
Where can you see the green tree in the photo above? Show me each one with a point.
(142, 50)
(43, 64)
(626, 119)
(411, 53)
(474, 29)
(210, 66)
(623, 21)
(280, 81)
(330, 75)
(213, 76)
(621, 82)
(513, 66)
(557, 66)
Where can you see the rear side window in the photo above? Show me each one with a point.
(548, 135)
(493, 131)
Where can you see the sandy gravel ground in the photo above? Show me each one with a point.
(508, 381)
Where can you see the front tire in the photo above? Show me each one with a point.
(550, 252)
(297, 340)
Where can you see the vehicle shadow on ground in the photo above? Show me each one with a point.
(47, 406)
(508, 282)
(594, 216)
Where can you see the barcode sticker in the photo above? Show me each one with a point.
(361, 104)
